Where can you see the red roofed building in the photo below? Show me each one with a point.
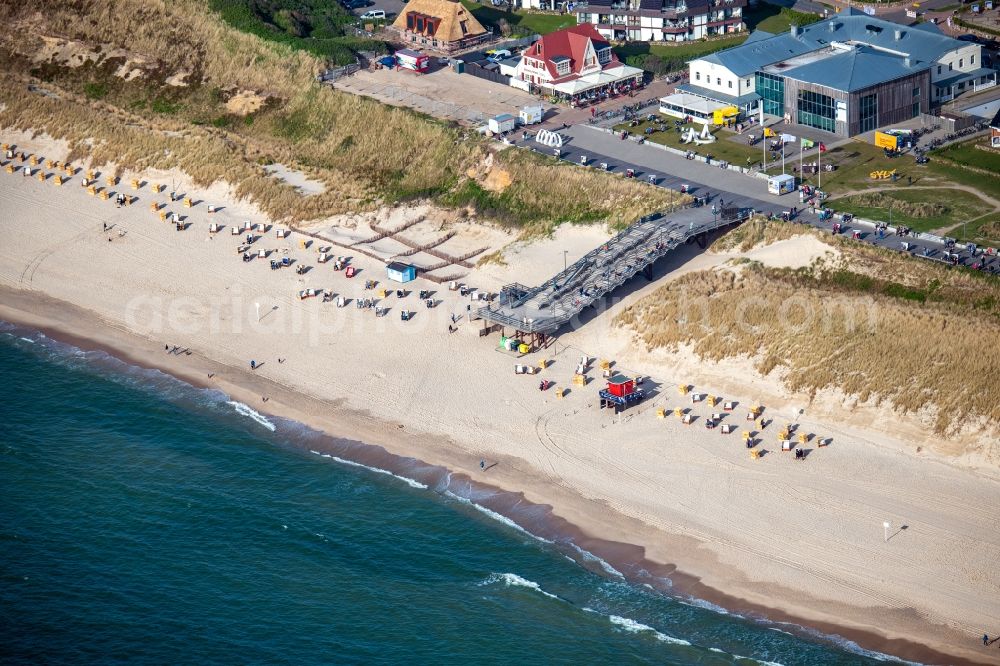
(576, 62)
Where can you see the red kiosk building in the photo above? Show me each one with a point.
(620, 392)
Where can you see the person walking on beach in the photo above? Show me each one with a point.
(482, 465)
(986, 639)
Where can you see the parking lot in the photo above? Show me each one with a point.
(442, 93)
(390, 7)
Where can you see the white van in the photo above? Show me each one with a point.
(374, 14)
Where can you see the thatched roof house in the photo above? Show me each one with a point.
(443, 24)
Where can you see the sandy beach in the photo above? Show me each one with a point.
(794, 541)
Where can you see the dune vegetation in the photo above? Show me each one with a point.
(872, 323)
(151, 83)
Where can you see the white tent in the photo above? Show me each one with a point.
(685, 104)
(607, 77)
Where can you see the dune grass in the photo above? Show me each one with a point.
(922, 210)
(366, 153)
(758, 231)
(872, 324)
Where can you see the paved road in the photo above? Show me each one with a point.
(723, 187)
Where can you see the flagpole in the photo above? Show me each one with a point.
(819, 166)
(782, 155)
(763, 136)
(802, 173)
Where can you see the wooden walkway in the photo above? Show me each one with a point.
(546, 308)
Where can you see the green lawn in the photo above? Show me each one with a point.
(958, 174)
(968, 154)
(521, 22)
(984, 230)
(664, 58)
(724, 149)
(923, 210)
(772, 18)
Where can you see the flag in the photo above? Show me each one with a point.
(822, 147)
(788, 138)
(768, 132)
(807, 143)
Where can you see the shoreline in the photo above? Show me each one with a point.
(773, 537)
(379, 445)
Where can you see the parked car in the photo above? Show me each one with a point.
(374, 14)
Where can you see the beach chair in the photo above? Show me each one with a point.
(786, 445)
(755, 454)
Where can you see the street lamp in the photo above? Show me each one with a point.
(565, 260)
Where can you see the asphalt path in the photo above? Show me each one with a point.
(724, 188)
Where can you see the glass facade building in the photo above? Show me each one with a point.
(772, 93)
(868, 113)
(817, 110)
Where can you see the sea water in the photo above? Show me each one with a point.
(145, 520)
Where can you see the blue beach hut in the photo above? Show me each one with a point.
(401, 272)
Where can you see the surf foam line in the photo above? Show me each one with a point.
(590, 557)
(378, 470)
(633, 627)
(494, 515)
(513, 580)
(248, 411)
(839, 641)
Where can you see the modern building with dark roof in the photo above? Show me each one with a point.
(848, 74)
(662, 20)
